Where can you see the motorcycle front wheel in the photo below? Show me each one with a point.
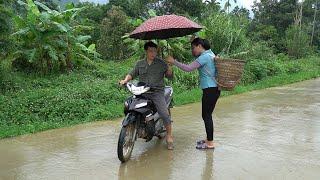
(126, 142)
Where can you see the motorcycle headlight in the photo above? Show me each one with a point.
(126, 105)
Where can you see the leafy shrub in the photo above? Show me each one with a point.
(225, 32)
(297, 42)
(50, 39)
(5, 28)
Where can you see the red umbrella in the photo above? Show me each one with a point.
(164, 27)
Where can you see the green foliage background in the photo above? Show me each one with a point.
(60, 63)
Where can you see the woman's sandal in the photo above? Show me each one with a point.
(201, 142)
(204, 146)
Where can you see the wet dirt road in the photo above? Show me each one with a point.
(267, 134)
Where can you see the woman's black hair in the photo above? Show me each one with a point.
(203, 42)
(150, 44)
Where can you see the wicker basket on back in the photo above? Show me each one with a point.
(229, 72)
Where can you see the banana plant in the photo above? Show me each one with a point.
(225, 32)
(51, 38)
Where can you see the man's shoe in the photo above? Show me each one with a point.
(170, 145)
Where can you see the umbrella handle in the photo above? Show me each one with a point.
(169, 50)
(169, 53)
(165, 51)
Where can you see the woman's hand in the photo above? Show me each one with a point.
(170, 60)
(216, 57)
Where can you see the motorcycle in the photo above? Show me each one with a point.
(141, 119)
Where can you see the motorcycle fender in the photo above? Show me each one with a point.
(130, 118)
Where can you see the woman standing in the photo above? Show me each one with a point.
(205, 65)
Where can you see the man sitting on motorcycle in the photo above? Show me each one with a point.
(152, 71)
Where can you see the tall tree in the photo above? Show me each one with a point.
(237, 11)
(314, 21)
(311, 17)
(113, 28)
(133, 8)
(227, 5)
(5, 26)
(273, 14)
(92, 15)
(138, 8)
(193, 8)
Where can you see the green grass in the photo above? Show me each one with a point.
(194, 95)
(30, 103)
